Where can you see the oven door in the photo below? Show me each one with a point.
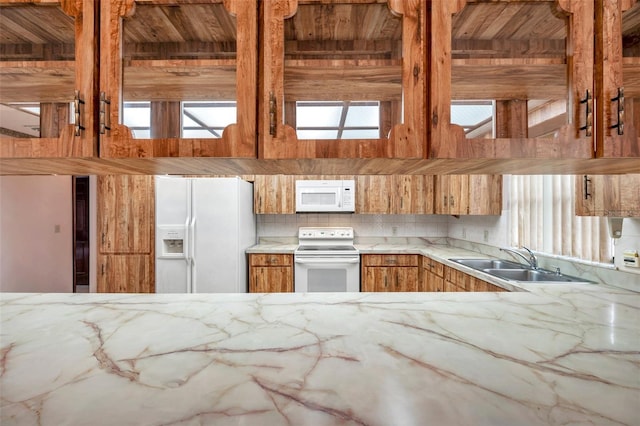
(327, 274)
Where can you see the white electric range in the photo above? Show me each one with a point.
(326, 260)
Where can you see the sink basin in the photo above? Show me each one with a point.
(533, 275)
(488, 263)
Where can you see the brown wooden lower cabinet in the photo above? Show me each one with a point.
(390, 272)
(126, 273)
(270, 273)
(439, 277)
(126, 234)
(432, 275)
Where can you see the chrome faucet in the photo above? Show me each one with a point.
(532, 260)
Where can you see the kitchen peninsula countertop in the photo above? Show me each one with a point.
(560, 355)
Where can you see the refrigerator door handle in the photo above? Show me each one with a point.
(192, 253)
(187, 240)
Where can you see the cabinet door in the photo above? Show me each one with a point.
(271, 279)
(125, 214)
(617, 78)
(484, 58)
(374, 194)
(485, 194)
(452, 287)
(458, 278)
(342, 69)
(178, 78)
(48, 72)
(126, 273)
(274, 194)
(481, 285)
(406, 279)
(468, 194)
(452, 194)
(413, 194)
(431, 281)
(608, 195)
(378, 278)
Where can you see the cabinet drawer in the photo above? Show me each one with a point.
(271, 259)
(433, 266)
(458, 278)
(390, 260)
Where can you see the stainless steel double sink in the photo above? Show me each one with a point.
(514, 271)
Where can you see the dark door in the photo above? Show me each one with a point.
(81, 234)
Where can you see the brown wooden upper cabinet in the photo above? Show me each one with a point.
(617, 78)
(47, 79)
(608, 195)
(468, 194)
(511, 79)
(178, 78)
(342, 79)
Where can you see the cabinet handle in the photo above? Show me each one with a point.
(102, 269)
(272, 114)
(391, 261)
(77, 102)
(587, 181)
(104, 114)
(588, 125)
(446, 201)
(451, 201)
(620, 100)
(385, 281)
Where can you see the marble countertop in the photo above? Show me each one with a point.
(436, 249)
(559, 355)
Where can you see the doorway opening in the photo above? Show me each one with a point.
(81, 234)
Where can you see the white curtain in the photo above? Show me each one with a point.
(543, 219)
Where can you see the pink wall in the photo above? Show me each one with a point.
(36, 228)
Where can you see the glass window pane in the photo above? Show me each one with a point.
(314, 114)
(207, 119)
(361, 134)
(317, 134)
(475, 117)
(365, 115)
(137, 117)
(199, 134)
(338, 120)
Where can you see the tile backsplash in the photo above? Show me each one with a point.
(364, 225)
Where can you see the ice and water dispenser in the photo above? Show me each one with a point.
(172, 241)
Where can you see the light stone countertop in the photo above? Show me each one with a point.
(551, 354)
(558, 356)
(436, 248)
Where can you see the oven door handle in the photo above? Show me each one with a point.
(325, 260)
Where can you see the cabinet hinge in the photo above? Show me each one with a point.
(77, 103)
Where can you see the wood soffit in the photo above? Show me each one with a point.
(385, 166)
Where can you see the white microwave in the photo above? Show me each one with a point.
(325, 196)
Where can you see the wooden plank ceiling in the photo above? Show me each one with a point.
(501, 50)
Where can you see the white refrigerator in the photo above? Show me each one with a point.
(203, 227)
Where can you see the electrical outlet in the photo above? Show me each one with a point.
(394, 230)
(486, 236)
(56, 229)
(464, 233)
